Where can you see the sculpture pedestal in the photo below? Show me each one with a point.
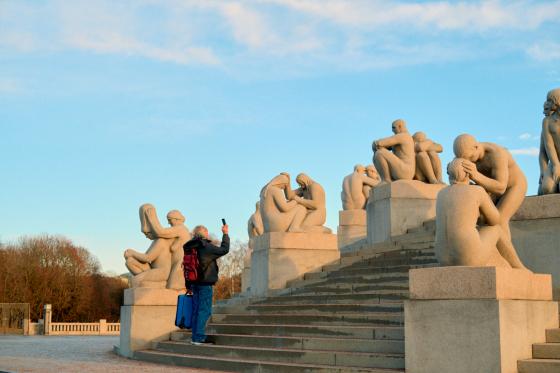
(148, 315)
(280, 257)
(475, 319)
(246, 275)
(394, 208)
(535, 236)
(352, 228)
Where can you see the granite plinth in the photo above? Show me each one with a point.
(351, 229)
(465, 320)
(395, 207)
(280, 257)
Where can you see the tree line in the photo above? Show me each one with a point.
(49, 269)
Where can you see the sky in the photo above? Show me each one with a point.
(196, 104)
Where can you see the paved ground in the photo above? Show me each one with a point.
(71, 354)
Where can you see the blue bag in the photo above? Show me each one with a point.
(183, 318)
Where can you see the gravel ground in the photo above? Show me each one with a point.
(71, 354)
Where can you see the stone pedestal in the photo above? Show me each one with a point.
(352, 228)
(280, 257)
(475, 319)
(394, 208)
(246, 274)
(148, 315)
(535, 231)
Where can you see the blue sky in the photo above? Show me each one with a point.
(195, 105)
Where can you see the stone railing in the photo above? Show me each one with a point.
(90, 328)
(77, 328)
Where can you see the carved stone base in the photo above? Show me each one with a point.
(352, 227)
(147, 315)
(394, 208)
(536, 235)
(280, 257)
(475, 319)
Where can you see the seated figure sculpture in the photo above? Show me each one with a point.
(371, 172)
(394, 156)
(311, 196)
(278, 214)
(428, 164)
(549, 154)
(160, 266)
(493, 168)
(255, 224)
(356, 187)
(458, 209)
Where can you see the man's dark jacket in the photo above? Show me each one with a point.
(207, 255)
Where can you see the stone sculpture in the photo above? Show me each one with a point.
(394, 156)
(357, 186)
(549, 154)
(255, 224)
(279, 214)
(310, 195)
(494, 169)
(428, 164)
(160, 266)
(458, 209)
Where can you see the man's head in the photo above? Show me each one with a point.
(359, 169)
(552, 103)
(371, 171)
(419, 136)
(465, 146)
(456, 172)
(175, 217)
(398, 126)
(200, 231)
(303, 180)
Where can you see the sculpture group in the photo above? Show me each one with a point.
(472, 214)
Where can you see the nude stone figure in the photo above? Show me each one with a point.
(279, 214)
(356, 187)
(428, 164)
(160, 266)
(394, 156)
(458, 209)
(255, 224)
(495, 170)
(310, 195)
(549, 154)
(371, 172)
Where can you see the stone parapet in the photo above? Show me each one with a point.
(395, 207)
(280, 257)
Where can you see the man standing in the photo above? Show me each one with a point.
(207, 277)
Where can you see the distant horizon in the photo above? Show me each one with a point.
(195, 105)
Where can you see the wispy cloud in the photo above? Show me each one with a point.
(533, 152)
(350, 35)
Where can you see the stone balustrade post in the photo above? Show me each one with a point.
(103, 326)
(47, 317)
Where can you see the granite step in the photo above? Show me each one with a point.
(303, 343)
(538, 366)
(299, 330)
(381, 296)
(553, 335)
(323, 318)
(348, 288)
(246, 365)
(357, 271)
(350, 278)
(546, 350)
(332, 358)
(257, 309)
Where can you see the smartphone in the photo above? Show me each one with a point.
(223, 221)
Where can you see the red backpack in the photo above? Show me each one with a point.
(191, 265)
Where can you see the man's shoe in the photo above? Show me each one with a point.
(202, 343)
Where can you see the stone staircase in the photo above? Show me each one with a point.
(347, 317)
(546, 356)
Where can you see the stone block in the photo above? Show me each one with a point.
(535, 231)
(352, 227)
(394, 208)
(147, 315)
(280, 257)
(466, 320)
(479, 283)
